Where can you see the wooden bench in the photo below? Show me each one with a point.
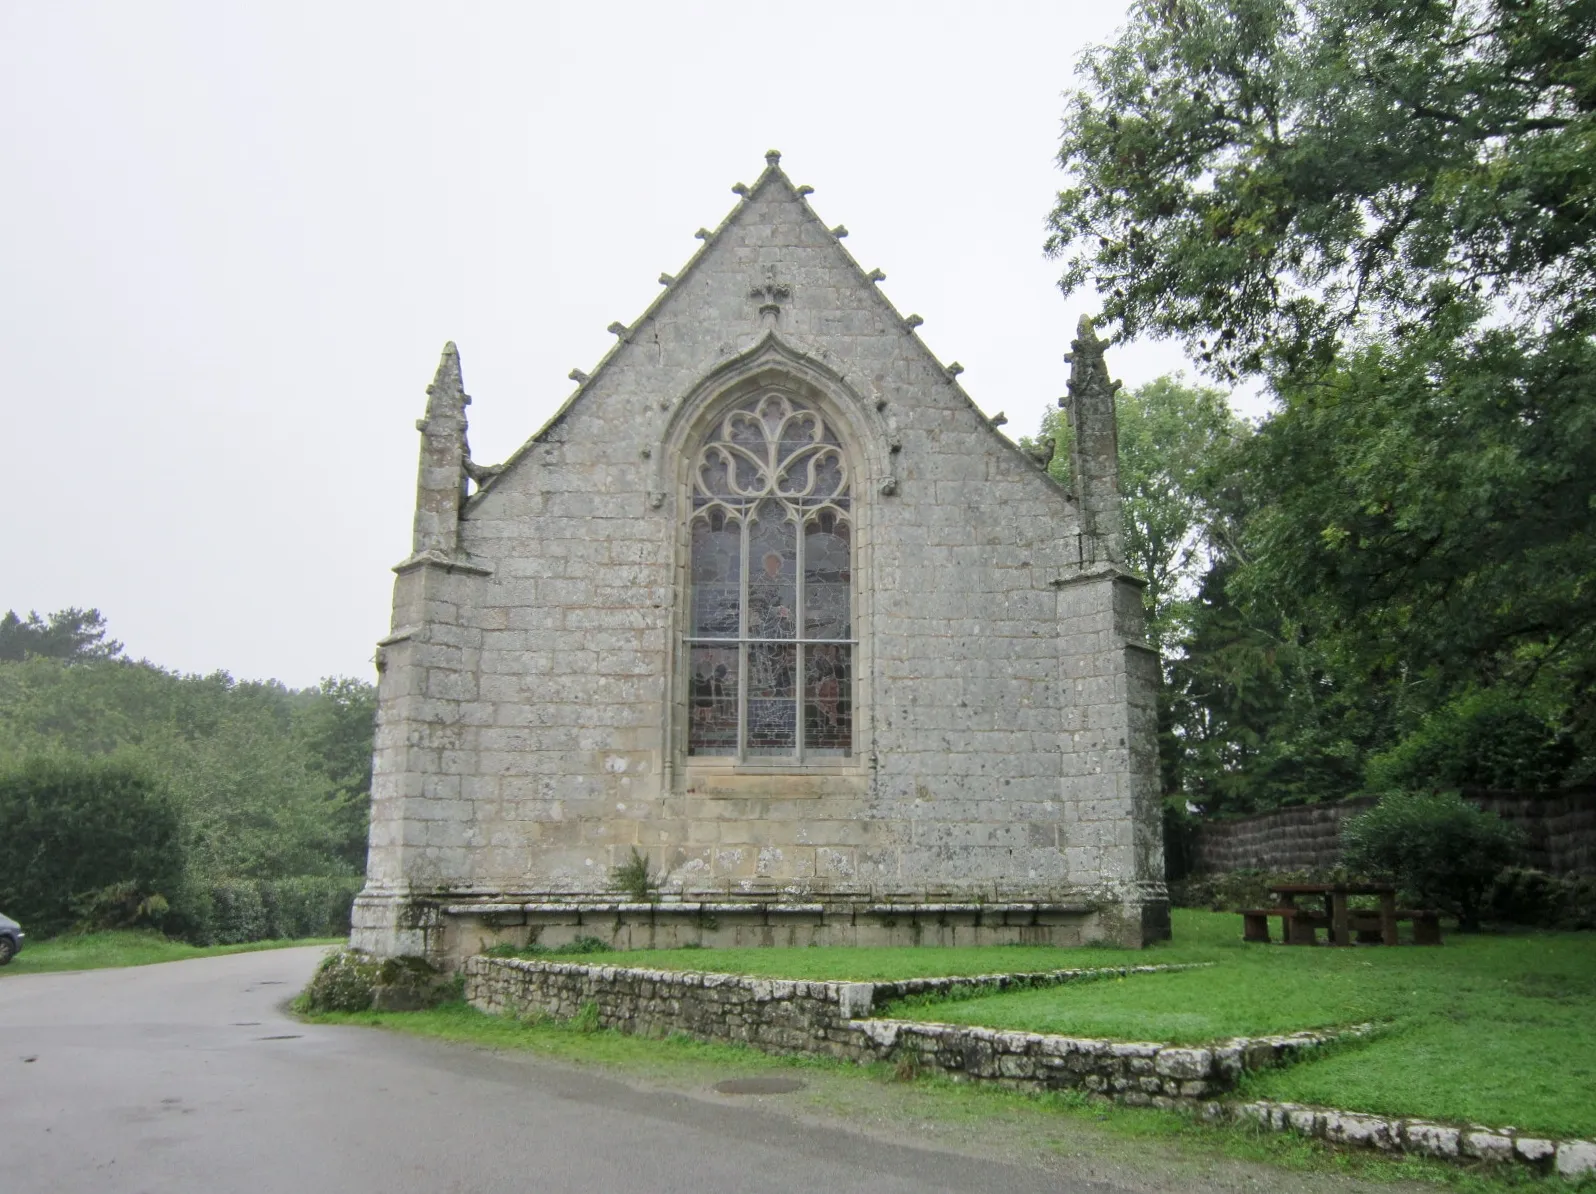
(1365, 922)
(1298, 926)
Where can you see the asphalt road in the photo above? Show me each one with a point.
(187, 1077)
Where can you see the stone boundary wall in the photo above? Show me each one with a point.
(830, 1018)
(1559, 831)
(1570, 1158)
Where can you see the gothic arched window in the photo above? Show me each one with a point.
(770, 636)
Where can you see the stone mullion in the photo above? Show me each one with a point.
(798, 636)
(742, 637)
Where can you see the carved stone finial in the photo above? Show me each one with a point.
(770, 295)
(616, 329)
(912, 322)
(702, 234)
(666, 279)
(998, 419)
(1088, 365)
(577, 376)
(955, 369)
(840, 231)
(806, 189)
(740, 189)
(773, 157)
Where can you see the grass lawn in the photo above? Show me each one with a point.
(95, 951)
(1486, 1028)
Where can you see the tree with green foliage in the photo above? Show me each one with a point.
(81, 836)
(1265, 178)
(271, 782)
(66, 634)
(270, 786)
(1386, 212)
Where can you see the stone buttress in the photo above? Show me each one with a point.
(997, 779)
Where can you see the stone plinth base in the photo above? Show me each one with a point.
(447, 930)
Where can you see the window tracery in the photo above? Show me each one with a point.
(770, 636)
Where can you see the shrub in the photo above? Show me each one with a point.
(119, 906)
(351, 981)
(84, 838)
(636, 878)
(1442, 851)
(344, 982)
(1523, 896)
(230, 911)
(238, 913)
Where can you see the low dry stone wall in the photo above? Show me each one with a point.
(1136, 1073)
(1571, 1158)
(833, 1019)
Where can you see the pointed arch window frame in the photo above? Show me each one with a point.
(803, 478)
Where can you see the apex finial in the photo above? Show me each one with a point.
(773, 157)
(447, 379)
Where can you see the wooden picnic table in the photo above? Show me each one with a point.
(1303, 931)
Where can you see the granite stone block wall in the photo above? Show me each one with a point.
(534, 697)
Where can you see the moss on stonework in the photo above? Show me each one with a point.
(352, 981)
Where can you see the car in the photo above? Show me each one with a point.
(11, 936)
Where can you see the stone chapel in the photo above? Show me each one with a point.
(768, 636)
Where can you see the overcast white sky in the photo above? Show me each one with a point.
(235, 237)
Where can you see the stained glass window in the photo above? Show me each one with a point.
(770, 634)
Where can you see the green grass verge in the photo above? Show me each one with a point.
(882, 1098)
(1487, 1028)
(97, 951)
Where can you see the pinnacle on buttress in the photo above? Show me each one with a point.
(1094, 443)
(446, 394)
(441, 476)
